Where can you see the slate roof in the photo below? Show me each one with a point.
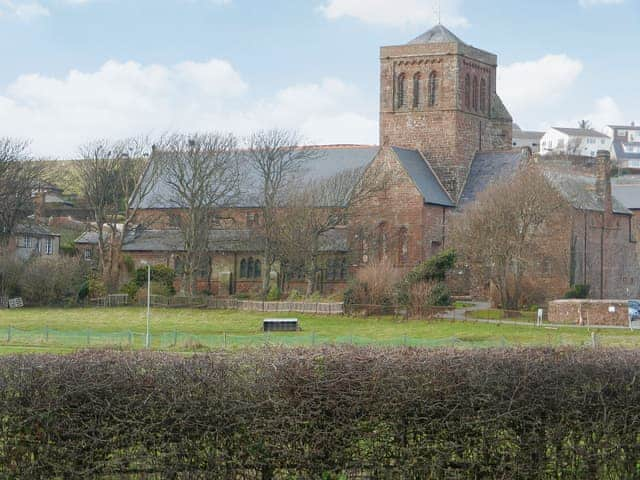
(487, 168)
(621, 154)
(628, 195)
(87, 238)
(527, 135)
(498, 109)
(424, 177)
(327, 161)
(34, 229)
(221, 241)
(580, 132)
(624, 127)
(581, 192)
(438, 34)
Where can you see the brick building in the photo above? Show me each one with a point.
(445, 135)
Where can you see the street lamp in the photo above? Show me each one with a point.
(147, 342)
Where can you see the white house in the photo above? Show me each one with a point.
(526, 138)
(574, 141)
(625, 147)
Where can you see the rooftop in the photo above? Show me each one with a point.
(438, 34)
(580, 132)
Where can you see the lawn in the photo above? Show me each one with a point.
(62, 330)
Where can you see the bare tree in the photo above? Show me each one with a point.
(277, 160)
(315, 208)
(18, 179)
(584, 124)
(111, 177)
(203, 175)
(512, 228)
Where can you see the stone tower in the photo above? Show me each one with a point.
(438, 95)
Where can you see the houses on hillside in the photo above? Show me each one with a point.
(574, 141)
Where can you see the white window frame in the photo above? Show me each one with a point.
(48, 246)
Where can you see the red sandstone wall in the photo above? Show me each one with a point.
(589, 312)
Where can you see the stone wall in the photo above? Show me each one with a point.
(450, 132)
(589, 312)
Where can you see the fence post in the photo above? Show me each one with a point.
(594, 340)
(130, 338)
(9, 334)
(225, 339)
(88, 336)
(46, 333)
(175, 338)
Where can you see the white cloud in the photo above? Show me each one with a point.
(605, 111)
(122, 99)
(24, 10)
(397, 13)
(592, 3)
(536, 83)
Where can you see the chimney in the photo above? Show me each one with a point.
(603, 182)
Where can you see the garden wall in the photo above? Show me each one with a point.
(589, 312)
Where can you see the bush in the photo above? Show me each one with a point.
(578, 292)
(157, 288)
(160, 274)
(274, 294)
(52, 280)
(375, 284)
(330, 413)
(10, 272)
(294, 296)
(128, 263)
(424, 295)
(96, 288)
(432, 272)
(130, 288)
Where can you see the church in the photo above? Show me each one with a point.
(445, 136)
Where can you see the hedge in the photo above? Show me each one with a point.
(324, 413)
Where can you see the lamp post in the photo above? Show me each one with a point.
(147, 342)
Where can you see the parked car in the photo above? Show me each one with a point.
(634, 310)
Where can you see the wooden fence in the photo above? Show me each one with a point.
(247, 305)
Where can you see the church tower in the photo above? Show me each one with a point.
(438, 95)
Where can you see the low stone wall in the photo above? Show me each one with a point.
(590, 312)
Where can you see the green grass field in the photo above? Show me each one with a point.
(65, 330)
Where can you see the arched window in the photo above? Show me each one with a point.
(483, 95)
(401, 90)
(403, 245)
(383, 240)
(243, 268)
(475, 93)
(257, 269)
(467, 92)
(343, 269)
(330, 271)
(250, 268)
(433, 89)
(417, 84)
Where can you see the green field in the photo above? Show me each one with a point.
(64, 330)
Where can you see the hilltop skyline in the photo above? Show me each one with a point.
(111, 68)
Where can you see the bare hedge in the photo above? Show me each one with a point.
(332, 413)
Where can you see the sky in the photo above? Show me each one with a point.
(76, 70)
